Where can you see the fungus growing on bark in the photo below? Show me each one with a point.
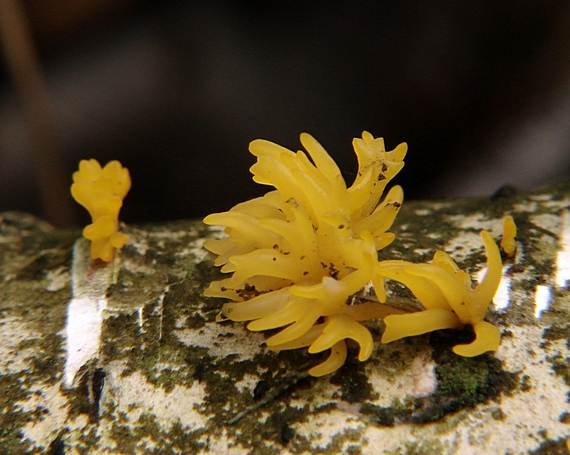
(101, 191)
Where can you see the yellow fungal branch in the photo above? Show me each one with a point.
(300, 252)
(450, 302)
(101, 191)
(508, 242)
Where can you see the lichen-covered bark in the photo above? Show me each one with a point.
(161, 376)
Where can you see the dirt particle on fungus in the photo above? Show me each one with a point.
(248, 292)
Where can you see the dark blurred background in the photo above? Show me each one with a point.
(176, 90)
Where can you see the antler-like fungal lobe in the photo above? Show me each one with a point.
(449, 301)
(101, 191)
(298, 253)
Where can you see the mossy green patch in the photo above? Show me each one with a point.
(149, 436)
(462, 383)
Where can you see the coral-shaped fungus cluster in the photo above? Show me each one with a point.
(300, 253)
(101, 191)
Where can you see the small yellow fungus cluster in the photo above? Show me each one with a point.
(446, 293)
(298, 255)
(101, 191)
(509, 242)
(300, 252)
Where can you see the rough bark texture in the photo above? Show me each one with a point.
(127, 358)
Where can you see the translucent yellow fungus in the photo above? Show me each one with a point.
(449, 301)
(101, 191)
(298, 253)
(509, 243)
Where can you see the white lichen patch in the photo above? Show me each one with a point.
(134, 392)
(47, 397)
(58, 279)
(527, 206)
(417, 381)
(195, 249)
(18, 351)
(247, 383)
(461, 247)
(557, 204)
(223, 444)
(548, 222)
(14, 357)
(540, 197)
(136, 267)
(478, 222)
(422, 251)
(213, 336)
(423, 377)
(321, 428)
(139, 240)
(180, 322)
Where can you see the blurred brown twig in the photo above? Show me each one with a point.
(24, 66)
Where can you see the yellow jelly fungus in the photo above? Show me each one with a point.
(509, 243)
(449, 301)
(298, 253)
(101, 191)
